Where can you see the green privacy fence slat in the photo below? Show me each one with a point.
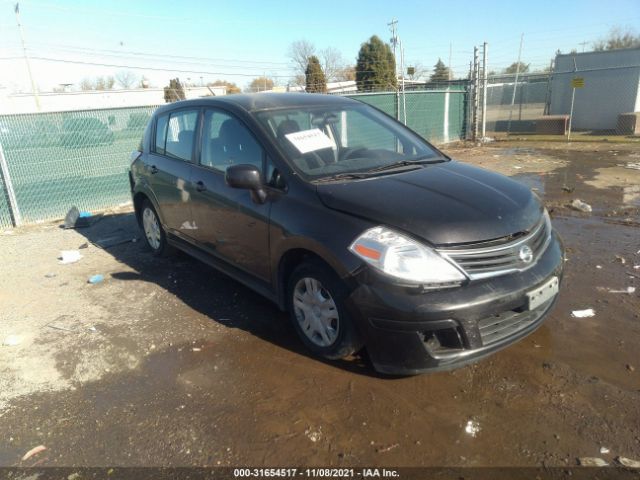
(426, 111)
(61, 159)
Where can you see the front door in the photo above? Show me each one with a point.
(229, 224)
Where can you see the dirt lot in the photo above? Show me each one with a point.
(167, 362)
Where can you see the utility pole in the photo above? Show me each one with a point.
(393, 25)
(474, 88)
(34, 90)
(515, 85)
(404, 97)
(450, 55)
(583, 44)
(485, 79)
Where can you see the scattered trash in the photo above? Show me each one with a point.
(74, 476)
(635, 275)
(95, 279)
(78, 219)
(592, 462)
(12, 340)
(604, 450)
(92, 329)
(589, 312)
(636, 267)
(84, 245)
(313, 435)
(567, 189)
(517, 167)
(581, 206)
(196, 349)
(628, 290)
(114, 240)
(630, 367)
(598, 267)
(49, 275)
(621, 259)
(633, 165)
(60, 327)
(69, 256)
(33, 451)
(8, 232)
(627, 462)
(388, 448)
(472, 428)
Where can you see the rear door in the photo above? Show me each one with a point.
(229, 224)
(169, 164)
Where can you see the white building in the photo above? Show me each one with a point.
(95, 99)
(611, 87)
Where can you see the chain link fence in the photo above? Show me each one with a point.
(56, 160)
(587, 95)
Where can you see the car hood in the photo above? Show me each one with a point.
(444, 203)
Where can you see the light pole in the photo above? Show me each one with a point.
(34, 90)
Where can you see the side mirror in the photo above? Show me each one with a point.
(247, 177)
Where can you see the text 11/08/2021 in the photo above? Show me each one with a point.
(315, 473)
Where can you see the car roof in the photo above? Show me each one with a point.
(264, 101)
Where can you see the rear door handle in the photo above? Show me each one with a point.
(200, 186)
(154, 169)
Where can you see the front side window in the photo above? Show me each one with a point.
(326, 141)
(226, 141)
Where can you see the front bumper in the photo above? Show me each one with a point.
(407, 331)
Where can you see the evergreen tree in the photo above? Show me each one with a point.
(174, 91)
(440, 72)
(314, 76)
(376, 66)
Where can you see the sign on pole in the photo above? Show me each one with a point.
(577, 82)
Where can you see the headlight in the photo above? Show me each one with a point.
(401, 257)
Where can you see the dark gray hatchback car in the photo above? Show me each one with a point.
(367, 234)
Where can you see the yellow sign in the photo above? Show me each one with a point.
(577, 82)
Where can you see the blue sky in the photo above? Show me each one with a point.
(243, 39)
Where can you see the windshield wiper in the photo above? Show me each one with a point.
(406, 163)
(342, 176)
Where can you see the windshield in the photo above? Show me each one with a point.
(326, 141)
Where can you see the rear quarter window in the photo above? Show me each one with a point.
(161, 134)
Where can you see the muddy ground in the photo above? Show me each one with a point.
(167, 362)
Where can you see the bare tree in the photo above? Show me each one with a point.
(417, 71)
(126, 78)
(346, 74)
(299, 53)
(618, 38)
(87, 84)
(332, 62)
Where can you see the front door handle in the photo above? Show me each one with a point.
(200, 186)
(154, 169)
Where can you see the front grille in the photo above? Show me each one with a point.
(497, 257)
(496, 327)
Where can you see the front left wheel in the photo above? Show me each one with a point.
(316, 297)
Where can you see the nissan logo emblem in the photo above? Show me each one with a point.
(526, 254)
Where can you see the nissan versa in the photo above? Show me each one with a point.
(367, 234)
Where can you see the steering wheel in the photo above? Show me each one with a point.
(349, 153)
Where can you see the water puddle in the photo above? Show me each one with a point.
(631, 195)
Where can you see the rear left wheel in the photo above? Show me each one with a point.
(153, 232)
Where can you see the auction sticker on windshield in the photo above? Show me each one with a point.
(310, 140)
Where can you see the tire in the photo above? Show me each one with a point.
(154, 234)
(315, 300)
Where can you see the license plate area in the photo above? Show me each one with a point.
(542, 294)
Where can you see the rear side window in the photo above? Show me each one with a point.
(161, 133)
(175, 134)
